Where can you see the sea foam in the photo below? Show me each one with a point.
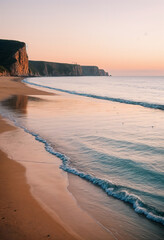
(119, 100)
(110, 188)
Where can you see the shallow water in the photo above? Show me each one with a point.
(115, 146)
(141, 91)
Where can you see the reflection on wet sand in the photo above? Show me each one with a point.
(17, 102)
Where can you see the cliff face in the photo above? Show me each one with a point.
(14, 62)
(103, 73)
(90, 71)
(20, 66)
(41, 68)
(3, 71)
(93, 71)
(13, 58)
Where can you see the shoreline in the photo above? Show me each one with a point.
(21, 216)
(57, 225)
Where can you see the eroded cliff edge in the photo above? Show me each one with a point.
(14, 62)
(42, 68)
(13, 58)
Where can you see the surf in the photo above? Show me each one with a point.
(112, 99)
(110, 188)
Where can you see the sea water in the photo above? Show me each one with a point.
(109, 134)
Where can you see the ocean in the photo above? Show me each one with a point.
(108, 133)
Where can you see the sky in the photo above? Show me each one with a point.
(124, 37)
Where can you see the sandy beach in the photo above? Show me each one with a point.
(38, 199)
(27, 212)
(81, 120)
(21, 217)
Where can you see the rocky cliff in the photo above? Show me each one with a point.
(14, 62)
(103, 73)
(90, 71)
(93, 71)
(13, 58)
(41, 68)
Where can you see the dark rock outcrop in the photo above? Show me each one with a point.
(3, 71)
(13, 58)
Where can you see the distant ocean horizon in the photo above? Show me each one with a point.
(115, 141)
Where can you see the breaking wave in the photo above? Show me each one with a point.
(111, 189)
(119, 100)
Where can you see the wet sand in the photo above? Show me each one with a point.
(21, 217)
(24, 211)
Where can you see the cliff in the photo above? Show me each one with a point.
(90, 71)
(103, 73)
(93, 71)
(14, 62)
(13, 58)
(41, 68)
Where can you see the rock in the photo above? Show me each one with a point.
(42, 68)
(13, 58)
(103, 73)
(14, 62)
(93, 71)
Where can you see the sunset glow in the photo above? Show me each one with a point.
(123, 37)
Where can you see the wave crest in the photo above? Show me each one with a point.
(119, 100)
(111, 189)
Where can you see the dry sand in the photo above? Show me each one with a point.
(21, 217)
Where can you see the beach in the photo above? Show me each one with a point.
(23, 214)
(81, 120)
(44, 133)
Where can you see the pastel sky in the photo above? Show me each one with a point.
(125, 37)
